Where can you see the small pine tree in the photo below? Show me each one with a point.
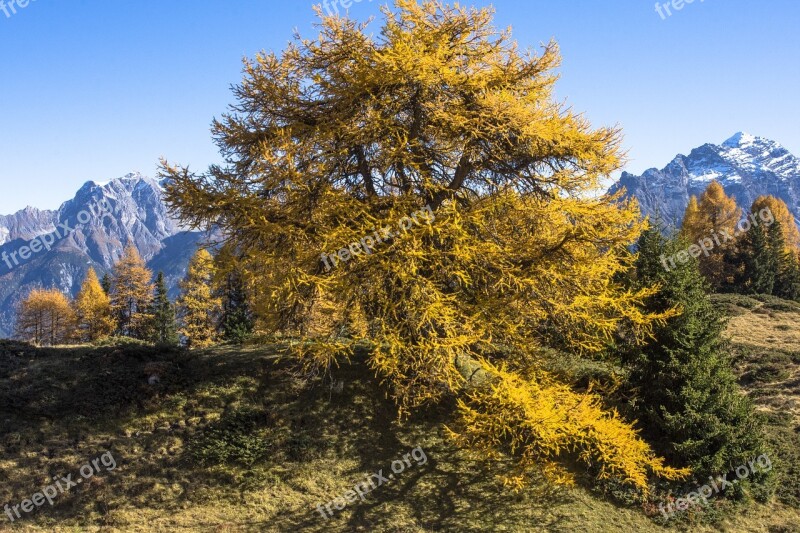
(198, 308)
(758, 276)
(781, 257)
(695, 414)
(767, 254)
(692, 227)
(236, 323)
(105, 283)
(789, 284)
(164, 328)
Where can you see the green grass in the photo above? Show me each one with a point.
(231, 439)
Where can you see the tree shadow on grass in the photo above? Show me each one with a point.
(70, 405)
(447, 492)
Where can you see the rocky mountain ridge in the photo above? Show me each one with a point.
(745, 165)
(55, 248)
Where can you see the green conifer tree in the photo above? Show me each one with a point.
(164, 329)
(687, 394)
(106, 284)
(788, 286)
(237, 320)
(759, 262)
(782, 258)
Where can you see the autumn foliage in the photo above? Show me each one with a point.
(756, 253)
(94, 319)
(780, 212)
(714, 216)
(198, 307)
(134, 306)
(353, 131)
(45, 318)
(132, 294)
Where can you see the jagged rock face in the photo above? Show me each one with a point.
(746, 166)
(26, 224)
(91, 230)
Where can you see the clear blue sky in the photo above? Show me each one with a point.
(94, 89)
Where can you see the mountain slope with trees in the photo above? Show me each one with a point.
(745, 165)
(124, 211)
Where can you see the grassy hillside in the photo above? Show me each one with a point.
(765, 336)
(231, 440)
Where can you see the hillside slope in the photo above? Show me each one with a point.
(231, 440)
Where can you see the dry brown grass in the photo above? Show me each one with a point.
(66, 416)
(766, 340)
(764, 328)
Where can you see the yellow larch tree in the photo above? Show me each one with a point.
(334, 143)
(131, 294)
(691, 227)
(45, 318)
(92, 307)
(198, 306)
(714, 217)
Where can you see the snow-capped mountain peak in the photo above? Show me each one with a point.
(740, 140)
(746, 165)
(90, 230)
